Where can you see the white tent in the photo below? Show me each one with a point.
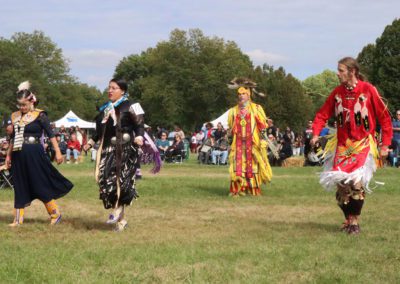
(223, 119)
(71, 119)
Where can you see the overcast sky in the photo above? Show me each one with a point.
(303, 36)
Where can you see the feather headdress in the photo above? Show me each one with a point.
(24, 86)
(236, 83)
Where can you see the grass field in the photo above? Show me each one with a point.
(185, 228)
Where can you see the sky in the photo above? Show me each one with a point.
(304, 36)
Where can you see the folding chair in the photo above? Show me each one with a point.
(5, 178)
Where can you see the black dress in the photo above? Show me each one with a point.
(34, 176)
(118, 156)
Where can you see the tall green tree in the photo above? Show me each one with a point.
(286, 102)
(45, 53)
(381, 62)
(387, 64)
(133, 68)
(36, 58)
(183, 80)
(366, 59)
(318, 87)
(15, 66)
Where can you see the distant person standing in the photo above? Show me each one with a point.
(271, 128)
(396, 131)
(193, 143)
(352, 156)
(219, 132)
(307, 136)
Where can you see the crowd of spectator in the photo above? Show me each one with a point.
(211, 144)
(171, 144)
(70, 141)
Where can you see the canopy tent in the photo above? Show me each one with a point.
(223, 119)
(71, 119)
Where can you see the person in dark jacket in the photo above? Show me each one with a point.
(120, 132)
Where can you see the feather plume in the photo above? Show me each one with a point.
(236, 83)
(241, 82)
(24, 86)
(259, 94)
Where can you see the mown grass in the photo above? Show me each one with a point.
(185, 228)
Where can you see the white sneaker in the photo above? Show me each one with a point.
(76, 162)
(68, 162)
(115, 215)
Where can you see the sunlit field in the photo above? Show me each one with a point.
(185, 228)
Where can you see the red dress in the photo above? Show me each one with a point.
(353, 155)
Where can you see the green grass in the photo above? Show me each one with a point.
(185, 228)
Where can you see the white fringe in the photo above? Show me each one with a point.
(329, 179)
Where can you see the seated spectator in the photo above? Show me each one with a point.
(199, 139)
(285, 150)
(272, 143)
(171, 137)
(93, 150)
(162, 144)
(74, 147)
(220, 150)
(3, 151)
(61, 144)
(175, 149)
(205, 151)
(64, 134)
(297, 146)
(160, 130)
(314, 156)
(9, 127)
(179, 131)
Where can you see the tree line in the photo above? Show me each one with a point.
(183, 80)
(35, 57)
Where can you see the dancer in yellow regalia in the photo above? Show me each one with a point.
(249, 167)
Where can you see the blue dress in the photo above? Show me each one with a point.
(34, 176)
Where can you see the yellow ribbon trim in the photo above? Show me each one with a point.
(259, 150)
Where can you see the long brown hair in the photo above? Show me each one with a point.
(352, 64)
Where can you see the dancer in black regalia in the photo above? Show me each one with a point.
(33, 174)
(120, 133)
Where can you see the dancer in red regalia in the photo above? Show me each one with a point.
(351, 157)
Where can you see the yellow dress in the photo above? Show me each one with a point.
(249, 166)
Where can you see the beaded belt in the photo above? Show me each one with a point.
(125, 139)
(31, 140)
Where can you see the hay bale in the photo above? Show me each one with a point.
(295, 161)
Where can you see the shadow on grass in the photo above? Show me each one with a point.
(301, 226)
(6, 219)
(87, 224)
(210, 190)
(332, 228)
(77, 223)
